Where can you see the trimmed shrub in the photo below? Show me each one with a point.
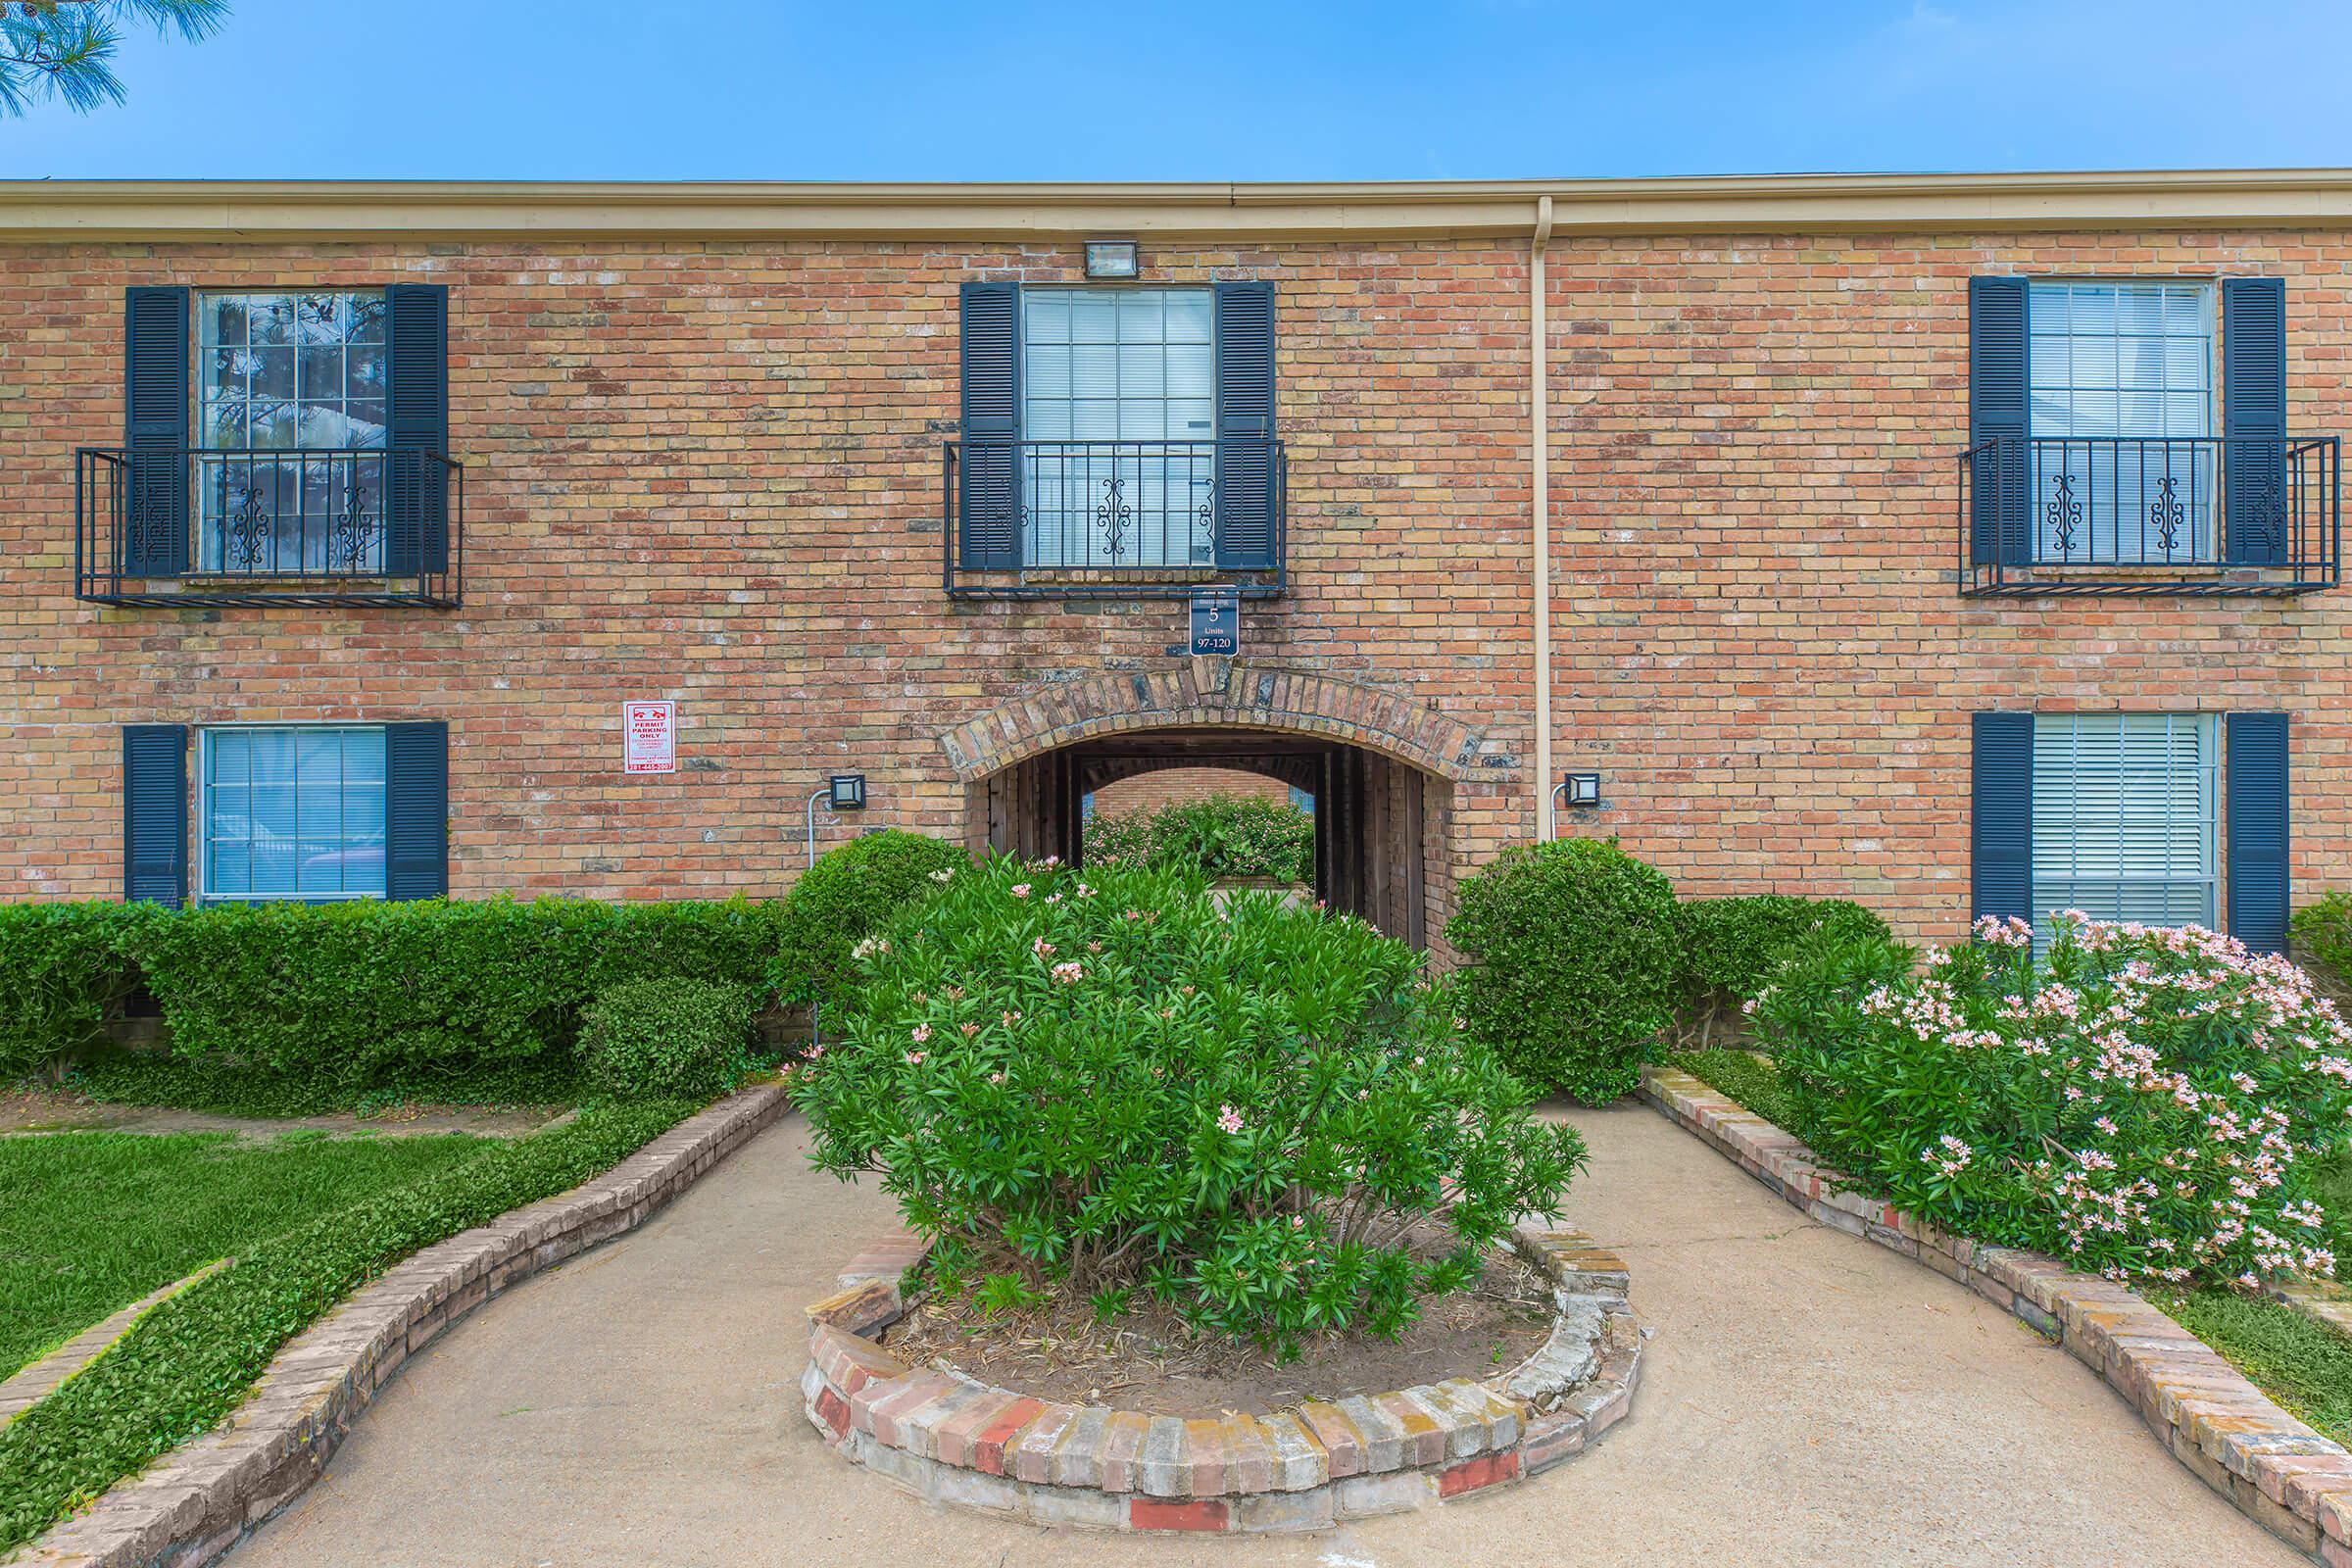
(363, 990)
(1093, 1083)
(63, 972)
(1729, 946)
(1570, 962)
(1219, 837)
(849, 894)
(2152, 1103)
(2324, 930)
(675, 1037)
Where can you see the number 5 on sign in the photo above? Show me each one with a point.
(649, 737)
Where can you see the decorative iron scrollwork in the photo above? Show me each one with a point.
(245, 538)
(2264, 521)
(2168, 512)
(2064, 513)
(350, 535)
(1112, 517)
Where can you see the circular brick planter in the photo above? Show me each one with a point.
(955, 1440)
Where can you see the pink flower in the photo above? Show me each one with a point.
(1067, 973)
(1009, 1018)
(922, 1032)
(996, 1077)
(971, 1029)
(1229, 1119)
(815, 1052)
(1042, 948)
(1020, 890)
(914, 1058)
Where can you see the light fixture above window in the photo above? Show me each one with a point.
(1112, 258)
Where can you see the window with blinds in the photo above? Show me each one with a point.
(2124, 816)
(293, 813)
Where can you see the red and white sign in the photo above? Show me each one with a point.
(649, 737)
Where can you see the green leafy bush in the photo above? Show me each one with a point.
(1570, 962)
(62, 970)
(673, 1036)
(849, 893)
(1731, 946)
(2324, 930)
(2153, 1103)
(1223, 835)
(185, 1366)
(1105, 1082)
(362, 990)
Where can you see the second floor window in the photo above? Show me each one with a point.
(2120, 408)
(1118, 416)
(290, 391)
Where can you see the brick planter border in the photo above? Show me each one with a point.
(952, 1440)
(197, 1502)
(2278, 1471)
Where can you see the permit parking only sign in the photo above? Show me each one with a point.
(649, 737)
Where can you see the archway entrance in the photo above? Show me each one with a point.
(1377, 826)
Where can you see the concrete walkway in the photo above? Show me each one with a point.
(1807, 1399)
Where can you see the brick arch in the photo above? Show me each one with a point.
(1286, 701)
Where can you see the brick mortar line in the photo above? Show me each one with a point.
(195, 1502)
(953, 1440)
(2272, 1467)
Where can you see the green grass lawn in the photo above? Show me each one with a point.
(1753, 1082)
(93, 1221)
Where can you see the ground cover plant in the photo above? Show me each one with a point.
(1091, 1085)
(1223, 835)
(1570, 962)
(186, 1364)
(94, 1220)
(2157, 1104)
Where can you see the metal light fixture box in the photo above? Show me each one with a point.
(845, 792)
(1112, 258)
(1581, 788)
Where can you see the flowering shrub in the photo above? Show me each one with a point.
(1223, 835)
(1111, 1079)
(2150, 1103)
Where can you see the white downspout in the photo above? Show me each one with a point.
(1539, 446)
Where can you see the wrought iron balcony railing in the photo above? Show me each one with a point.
(315, 525)
(2100, 514)
(1033, 519)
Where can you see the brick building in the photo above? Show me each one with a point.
(1944, 542)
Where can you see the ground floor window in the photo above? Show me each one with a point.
(2125, 817)
(293, 813)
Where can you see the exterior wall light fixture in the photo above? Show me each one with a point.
(845, 792)
(1579, 789)
(1112, 258)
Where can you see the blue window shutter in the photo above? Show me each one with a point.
(154, 427)
(155, 813)
(1997, 413)
(416, 811)
(2255, 765)
(989, 484)
(2000, 830)
(417, 411)
(1246, 481)
(2254, 418)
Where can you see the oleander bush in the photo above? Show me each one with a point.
(849, 893)
(1729, 946)
(1224, 836)
(2153, 1103)
(1086, 1084)
(669, 1037)
(1570, 962)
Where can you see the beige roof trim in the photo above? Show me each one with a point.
(53, 211)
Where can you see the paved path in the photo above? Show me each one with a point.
(1807, 1399)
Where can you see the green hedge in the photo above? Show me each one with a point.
(371, 992)
(671, 1036)
(1223, 835)
(1729, 946)
(187, 1364)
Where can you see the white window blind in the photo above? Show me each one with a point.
(2121, 399)
(2124, 816)
(1118, 416)
(296, 812)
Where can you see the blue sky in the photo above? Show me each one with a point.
(1119, 89)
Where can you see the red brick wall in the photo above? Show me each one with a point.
(1182, 786)
(710, 472)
